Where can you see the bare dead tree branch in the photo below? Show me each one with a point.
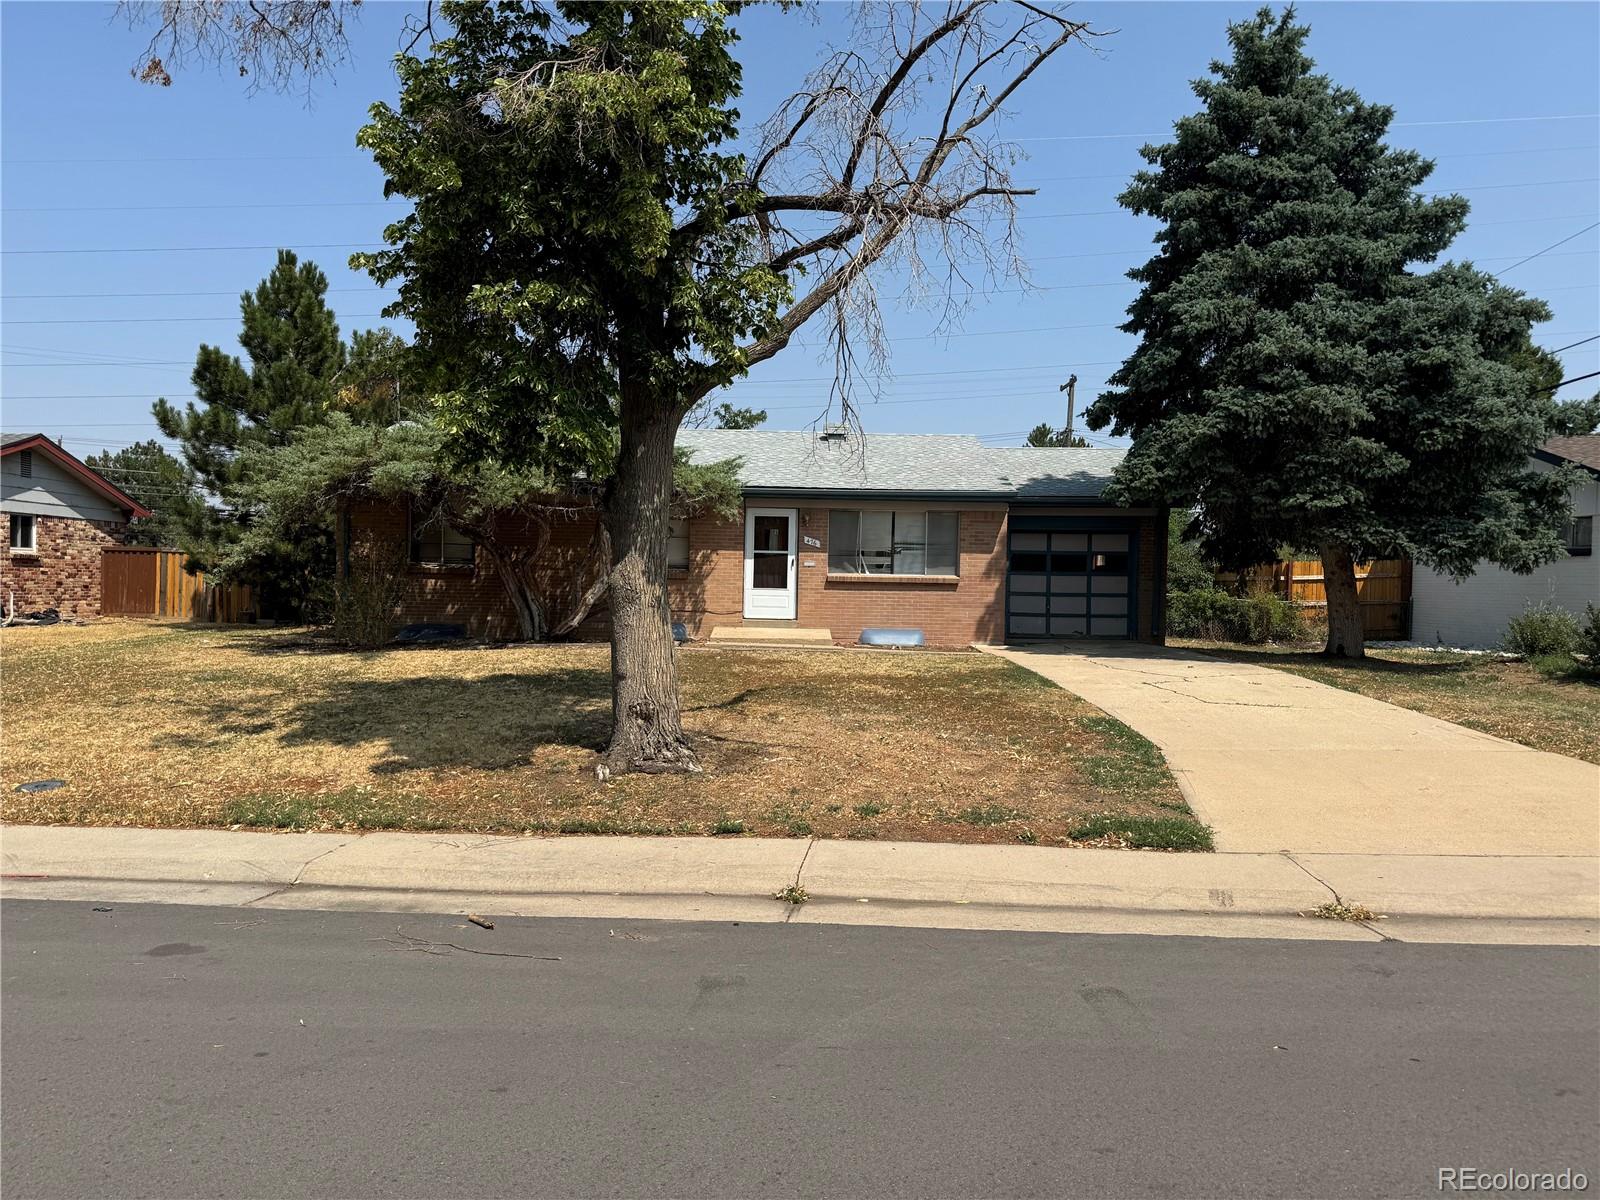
(891, 157)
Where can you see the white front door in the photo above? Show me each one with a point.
(769, 563)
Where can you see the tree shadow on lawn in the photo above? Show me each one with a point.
(1314, 658)
(490, 723)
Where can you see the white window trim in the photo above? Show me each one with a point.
(439, 563)
(892, 574)
(683, 524)
(31, 550)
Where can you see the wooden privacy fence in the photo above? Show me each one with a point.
(1383, 588)
(145, 581)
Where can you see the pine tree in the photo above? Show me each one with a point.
(156, 480)
(1296, 379)
(1044, 434)
(291, 338)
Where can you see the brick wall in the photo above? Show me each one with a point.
(950, 611)
(474, 596)
(64, 573)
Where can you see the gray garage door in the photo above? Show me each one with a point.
(1069, 585)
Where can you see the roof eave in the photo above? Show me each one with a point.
(1560, 460)
(85, 472)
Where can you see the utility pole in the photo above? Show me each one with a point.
(1070, 387)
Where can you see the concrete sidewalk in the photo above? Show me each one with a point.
(1425, 898)
(1275, 762)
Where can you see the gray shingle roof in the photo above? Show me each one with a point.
(7, 438)
(1583, 449)
(904, 463)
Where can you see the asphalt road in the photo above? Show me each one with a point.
(168, 1051)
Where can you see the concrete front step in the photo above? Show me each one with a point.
(758, 635)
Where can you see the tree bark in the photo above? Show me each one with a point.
(530, 613)
(646, 724)
(1346, 635)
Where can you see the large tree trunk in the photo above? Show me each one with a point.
(1346, 636)
(646, 727)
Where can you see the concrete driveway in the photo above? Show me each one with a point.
(1276, 762)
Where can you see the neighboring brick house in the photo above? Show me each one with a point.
(58, 515)
(967, 542)
(1476, 611)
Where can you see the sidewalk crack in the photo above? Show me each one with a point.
(798, 871)
(1338, 899)
(298, 875)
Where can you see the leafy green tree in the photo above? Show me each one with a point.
(726, 416)
(292, 341)
(1044, 434)
(509, 512)
(1295, 378)
(588, 257)
(156, 480)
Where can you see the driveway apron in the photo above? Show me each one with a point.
(1276, 762)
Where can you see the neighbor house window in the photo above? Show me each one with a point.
(1580, 535)
(678, 545)
(24, 536)
(434, 543)
(898, 542)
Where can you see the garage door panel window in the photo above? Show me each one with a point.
(897, 542)
(1079, 583)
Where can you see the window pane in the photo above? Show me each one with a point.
(1580, 534)
(1027, 562)
(1109, 626)
(1110, 541)
(770, 571)
(844, 529)
(678, 545)
(1028, 541)
(1073, 562)
(944, 543)
(1027, 583)
(22, 531)
(771, 533)
(1069, 584)
(1068, 626)
(1109, 564)
(877, 542)
(1069, 541)
(910, 543)
(455, 547)
(1027, 625)
(1027, 604)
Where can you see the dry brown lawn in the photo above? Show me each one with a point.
(154, 724)
(1509, 699)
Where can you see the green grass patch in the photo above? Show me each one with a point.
(1130, 761)
(1147, 833)
(728, 826)
(865, 811)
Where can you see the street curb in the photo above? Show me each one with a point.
(851, 882)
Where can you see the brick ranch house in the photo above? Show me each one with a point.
(967, 542)
(58, 515)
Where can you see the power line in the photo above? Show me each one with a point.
(1548, 248)
(200, 249)
(1078, 137)
(1574, 379)
(156, 320)
(1570, 345)
(1099, 137)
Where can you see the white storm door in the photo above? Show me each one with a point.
(769, 563)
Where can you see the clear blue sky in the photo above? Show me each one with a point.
(117, 196)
